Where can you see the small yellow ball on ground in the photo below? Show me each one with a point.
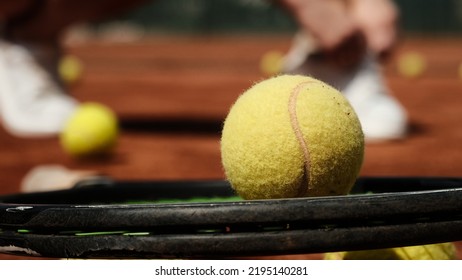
(291, 136)
(70, 69)
(91, 130)
(271, 63)
(411, 64)
(440, 251)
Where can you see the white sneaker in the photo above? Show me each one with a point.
(382, 117)
(32, 100)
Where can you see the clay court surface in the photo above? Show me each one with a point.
(172, 94)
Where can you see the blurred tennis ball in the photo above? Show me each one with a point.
(91, 130)
(271, 63)
(70, 69)
(440, 251)
(411, 64)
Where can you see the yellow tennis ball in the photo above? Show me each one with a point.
(91, 130)
(440, 251)
(70, 69)
(271, 63)
(411, 64)
(291, 136)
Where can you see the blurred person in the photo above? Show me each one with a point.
(33, 99)
(344, 37)
(342, 43)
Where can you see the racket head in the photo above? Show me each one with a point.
(103, 218)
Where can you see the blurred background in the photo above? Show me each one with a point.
(431, 17)
(170, 70)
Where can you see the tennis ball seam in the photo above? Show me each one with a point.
(299, 136)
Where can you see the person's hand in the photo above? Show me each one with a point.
(343, 30)
(329, 22)
(377, 20)
(332, 28)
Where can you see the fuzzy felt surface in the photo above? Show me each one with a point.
(291, 136)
